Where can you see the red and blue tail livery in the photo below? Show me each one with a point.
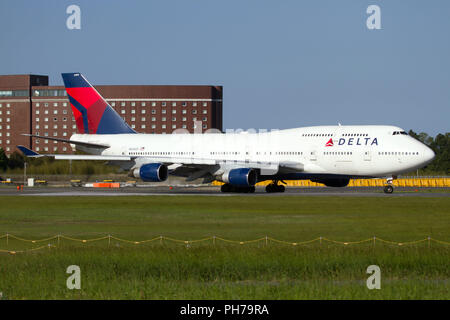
(93, 115)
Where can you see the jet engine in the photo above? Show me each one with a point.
(151, 172)
(243, 177)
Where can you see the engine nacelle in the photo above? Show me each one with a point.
(338, 182)
(244, 177)
(151, 172)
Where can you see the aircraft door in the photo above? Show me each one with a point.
(367, 155)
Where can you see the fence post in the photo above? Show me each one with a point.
(320, 240)
(374, 240)
(160, 239)
(58, 239)
(214, 240)
(109, 240)
(7, 239)
(429, 242)
(266, 240)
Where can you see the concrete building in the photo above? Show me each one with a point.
(29, 105)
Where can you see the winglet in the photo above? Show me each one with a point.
(28, 152)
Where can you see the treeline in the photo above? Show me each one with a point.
(441, 147)
(14, 164)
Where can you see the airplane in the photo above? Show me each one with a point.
(331, 155)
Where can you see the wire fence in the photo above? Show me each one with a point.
(213, 240)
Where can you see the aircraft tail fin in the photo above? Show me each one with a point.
(93, 115)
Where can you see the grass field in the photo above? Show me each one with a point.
(204, 270)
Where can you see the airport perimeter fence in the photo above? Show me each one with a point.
(212, 241)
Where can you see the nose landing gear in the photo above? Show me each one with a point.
(275, 187)
(389, 188)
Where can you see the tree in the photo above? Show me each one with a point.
(16, 160)
(3, 160)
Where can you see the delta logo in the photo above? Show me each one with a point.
(353, 142)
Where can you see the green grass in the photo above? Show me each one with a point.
(226, 271)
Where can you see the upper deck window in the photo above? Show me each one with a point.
(399, 132)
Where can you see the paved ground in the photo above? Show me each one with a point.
(215, 191)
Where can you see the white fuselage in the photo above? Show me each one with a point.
(372, 151)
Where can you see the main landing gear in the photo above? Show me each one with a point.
(275, 187)
(231, 188)
(389, 188)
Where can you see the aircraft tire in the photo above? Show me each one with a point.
(388, 189)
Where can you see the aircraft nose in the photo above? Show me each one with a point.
(428, 154)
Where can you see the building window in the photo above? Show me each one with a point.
(153, 104)
(64, 104)
(143, 126)
(143, 111)
(205, 119)
(205, 104)
(55, 104)
(122, 104)
(64, 134)
(164, 104)
(163, 119)
(174, 111)
(143, 119)
(174, 119)
(194, 104)
(37, 112)
(183, 119)
(37, 126)
(37, 104)
(153, 111)
(46, 126)
(184, 126)
(74, 126)
(64, 111)
(205, 111)
(163, 111)
(133, 119)
(64, 119)
(184, 104)
(142, 104)
(133, 104)
(55, 126)
(174, 104)
(163, 126)
(153, 118)
(174, 126)
(122, 111)
(46, 111)
(194, 111)
(153, 126)
(55, 111)
(183, 111)
(133, 111)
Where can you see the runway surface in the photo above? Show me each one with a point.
(215, 191)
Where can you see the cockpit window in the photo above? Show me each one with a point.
(399, 132)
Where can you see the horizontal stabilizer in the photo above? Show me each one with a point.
(80, 143)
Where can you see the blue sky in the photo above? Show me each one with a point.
(282, 63)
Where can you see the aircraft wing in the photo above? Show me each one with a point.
(33, 154)
(80, 143)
